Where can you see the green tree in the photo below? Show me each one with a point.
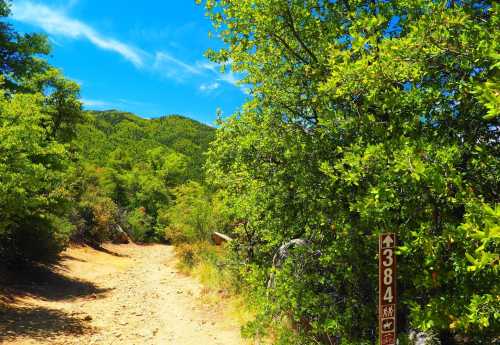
(19, 59)
(366, 117)
(33, 200)
(39, 110)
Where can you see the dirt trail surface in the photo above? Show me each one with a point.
(125, 294)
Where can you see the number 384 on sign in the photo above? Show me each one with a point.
(387, 289)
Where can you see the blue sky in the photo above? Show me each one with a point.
(144, 57)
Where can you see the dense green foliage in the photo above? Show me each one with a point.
(38, 113)
(134, 165)
(32, 168)
(65, 173)
(194, 216)
(367, 117)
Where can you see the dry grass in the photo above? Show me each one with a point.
(205, 262)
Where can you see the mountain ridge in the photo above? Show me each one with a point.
(104, 133)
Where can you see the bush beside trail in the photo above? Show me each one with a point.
(366, 117)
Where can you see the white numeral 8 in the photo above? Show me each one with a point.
(388, 276)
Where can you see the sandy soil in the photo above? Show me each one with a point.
(125, 294)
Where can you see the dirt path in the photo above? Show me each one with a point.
(127, 295)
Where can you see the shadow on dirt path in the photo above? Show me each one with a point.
(119, 294)
(38, 323)
(44, 282)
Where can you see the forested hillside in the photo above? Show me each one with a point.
(113, 133)
(129, 168)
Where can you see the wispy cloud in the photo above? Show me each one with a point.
(228, 77)
(93, 103)
(55, 42)
(97, 104)
(135, 103)
(209, 87)
(58, 23)
(208, 65)
(173, 67)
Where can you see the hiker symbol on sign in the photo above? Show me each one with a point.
(388, 311)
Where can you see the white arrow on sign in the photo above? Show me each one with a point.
(388, 241)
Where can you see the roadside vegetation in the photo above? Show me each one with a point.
(365, 117)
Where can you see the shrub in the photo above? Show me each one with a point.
(38, 238)
(213, 265)
(191, 218)
(140, 225)
(96, 219)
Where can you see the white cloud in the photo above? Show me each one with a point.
(58, 24)
(229, 77)
(208, 65)
(95, 103)
(135, 103)
(209, 87)
(117, 104)
(174, 68)
(55, 42)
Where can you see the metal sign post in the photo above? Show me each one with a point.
(387, 289)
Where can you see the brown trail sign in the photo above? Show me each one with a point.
(387, 289)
